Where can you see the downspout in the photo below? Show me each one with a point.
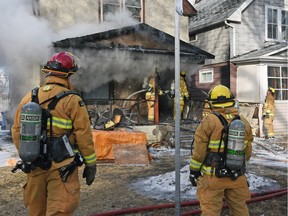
(232, 51)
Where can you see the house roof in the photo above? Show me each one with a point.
(136, 38)
(276, 52)
(213, 12)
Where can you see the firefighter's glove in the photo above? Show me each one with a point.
(89, 173)
(193, 177)
(67, 170)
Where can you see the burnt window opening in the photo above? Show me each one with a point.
(192, 37)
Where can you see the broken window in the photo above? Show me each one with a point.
(278, 79)
(276, 20)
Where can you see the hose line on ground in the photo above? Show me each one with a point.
(255, 197)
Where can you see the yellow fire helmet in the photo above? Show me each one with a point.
(271, 89)
(220, 96)
(183, 73)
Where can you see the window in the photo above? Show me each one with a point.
(133, 6)
(192, 37)
(278, 79)
(206, 76)
(276, 22)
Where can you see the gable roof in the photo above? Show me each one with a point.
(276, 52)
(214, 12)
(136, 38)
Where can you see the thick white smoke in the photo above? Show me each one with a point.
(26, 42)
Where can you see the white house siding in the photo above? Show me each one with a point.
(281, 117)
(216, 42)
(248, 79)
(250, 33)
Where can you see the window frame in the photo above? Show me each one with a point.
(205, 71)
(278, 23)
(122, 6)
(279, 90)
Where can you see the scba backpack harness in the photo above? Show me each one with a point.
(36, 148)
(231, 162)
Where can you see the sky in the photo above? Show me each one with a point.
(162, 187)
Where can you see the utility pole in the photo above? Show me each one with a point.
(179, 9)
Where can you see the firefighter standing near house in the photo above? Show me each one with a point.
(52, 151)
(268, 113)
(184, 94)
(150, 96)
(217, 165)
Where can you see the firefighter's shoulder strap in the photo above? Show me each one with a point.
(54, 100)
(225, 129)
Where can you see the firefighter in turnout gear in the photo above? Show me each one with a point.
(54, 189)
(184, 94)
(208, 172)
(268, 113)
(150, 98)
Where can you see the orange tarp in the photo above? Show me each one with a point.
(104, 140)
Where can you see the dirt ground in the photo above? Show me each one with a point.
(110, 190)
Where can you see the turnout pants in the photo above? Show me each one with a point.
(150, 106)
(182, 103)
(46, 195)
(268, 124)
(211, 190)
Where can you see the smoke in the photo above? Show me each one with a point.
(24, 45)
(26, 41)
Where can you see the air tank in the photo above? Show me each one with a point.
(30, 132)
(235, 157)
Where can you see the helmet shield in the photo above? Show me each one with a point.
(220, 96)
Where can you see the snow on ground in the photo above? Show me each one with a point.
(163, 186)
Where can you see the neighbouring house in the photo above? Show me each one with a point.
(249, 41)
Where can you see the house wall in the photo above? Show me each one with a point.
(248, 82)
(63, 14)
(214, 41)
(250, 34)
(220, 75)
(281, 117)
(251, 82)
(162, 17)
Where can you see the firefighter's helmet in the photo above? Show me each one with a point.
(220, 96)
(183, 74)
(62, 64)
(271, 89)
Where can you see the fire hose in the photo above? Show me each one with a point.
(255, 197)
